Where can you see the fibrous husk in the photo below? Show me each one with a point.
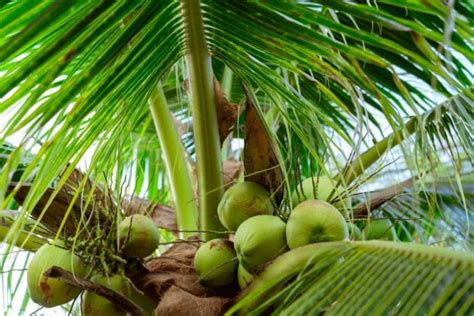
(227, 112)
(177, 301)
(173, 282)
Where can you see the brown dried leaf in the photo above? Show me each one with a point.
(227, 112)
(54, 214)
(73, 183)
(56, 211)
(261, 161)
(173, 268)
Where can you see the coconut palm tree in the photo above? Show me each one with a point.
(156, 107)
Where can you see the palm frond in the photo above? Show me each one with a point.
(434, 213)
(337, 68)
(105, 57)
(360, 278)
(344, 71)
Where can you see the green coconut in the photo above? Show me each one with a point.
(323, 187)
(241, 201)
(139, 237)
(244, 277)
(50, 292)
(380, 229)
(315, 221)
(354, 232)
(93, 304)
(216, 263)
(259, 239)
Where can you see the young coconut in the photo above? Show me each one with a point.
(320, 189)
(50, 292)
(354, 232)
(380, 229)
(216, 263)
(241, 201)
(315, 221)
(139, 237)
(259, 239)
(93, 304)
(244, 277)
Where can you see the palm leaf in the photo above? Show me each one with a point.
(434, 213)
(361, 278)
(333, 74)
(91, 53)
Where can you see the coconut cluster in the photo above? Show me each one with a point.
(138, 237)
(246, 209)
(315, 217)
(260, 236)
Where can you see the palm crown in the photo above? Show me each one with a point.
(376, 95)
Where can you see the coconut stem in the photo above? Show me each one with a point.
(174, 156)
(206, 134)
